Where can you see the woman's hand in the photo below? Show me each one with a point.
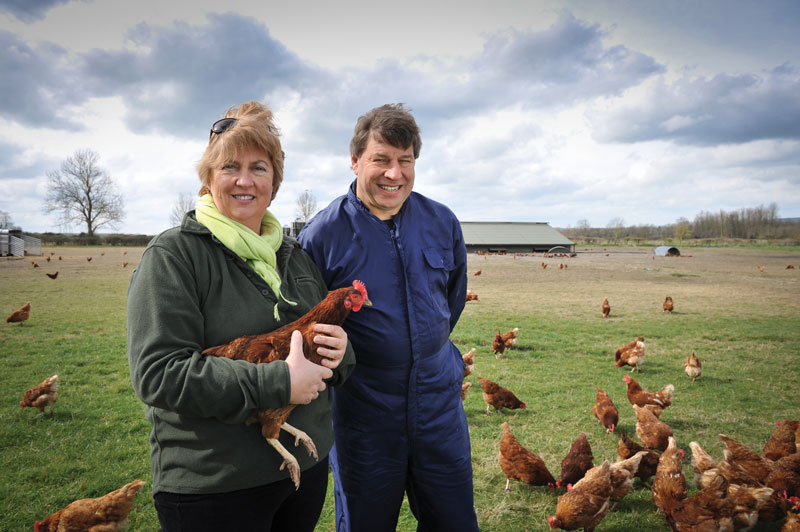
(307, 379)
(335, 340)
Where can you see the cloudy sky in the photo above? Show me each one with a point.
(537, 110)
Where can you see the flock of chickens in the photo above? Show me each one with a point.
(734, 493)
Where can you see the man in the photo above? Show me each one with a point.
(399, 424)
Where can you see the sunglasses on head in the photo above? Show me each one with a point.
(221, 126)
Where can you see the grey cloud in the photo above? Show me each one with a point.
(29, 10)
(557, 67)
(178, 79)
(35, 86)
(11, 155)
(187, 76)
(566, 62)
(723, 109)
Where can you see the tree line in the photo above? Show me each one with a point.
(755, 223)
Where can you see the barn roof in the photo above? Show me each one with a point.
(512, 233)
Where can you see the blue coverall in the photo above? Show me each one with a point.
(399, 423)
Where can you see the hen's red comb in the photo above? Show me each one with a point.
(361, 288)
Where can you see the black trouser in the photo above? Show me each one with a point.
(275, 507)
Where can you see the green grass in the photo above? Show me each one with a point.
(743, 324)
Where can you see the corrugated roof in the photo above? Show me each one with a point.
(512, 233)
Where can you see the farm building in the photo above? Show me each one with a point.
(14, 243)
(666, 251)
(513, 237)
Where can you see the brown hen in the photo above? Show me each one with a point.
(605, 411)
(586, 503)
(268, 347)
(108, 513)
(669, 485)
(652, 432)
(21, 314)
(577, 462)
(42, 395)
(498, 397)
(518, 463)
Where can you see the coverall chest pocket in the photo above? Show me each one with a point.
(439, 264)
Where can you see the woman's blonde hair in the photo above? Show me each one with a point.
(253, 128)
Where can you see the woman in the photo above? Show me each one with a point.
(228, 271)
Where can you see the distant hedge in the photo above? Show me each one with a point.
(82, 239)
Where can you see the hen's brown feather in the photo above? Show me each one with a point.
(585, 505)
(577, 461)
(669, 486)
(605, 411)
(106, 513)
(498, 397)
(518, 463)
(21, 314)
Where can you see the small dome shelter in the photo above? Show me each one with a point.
(666, 251)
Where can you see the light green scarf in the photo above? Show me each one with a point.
(258, 251)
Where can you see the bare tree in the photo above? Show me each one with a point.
(5, 220)
(182, 205)
(83, 193)
(617, 226)
(306, 206)
(683, 230)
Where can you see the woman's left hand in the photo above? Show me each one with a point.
(334, 340)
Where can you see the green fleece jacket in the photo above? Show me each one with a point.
(190, 292)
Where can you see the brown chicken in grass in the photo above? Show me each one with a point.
(652, 432)
(510, 338)
(469, 362)
(669, 485)
(781, 443)
(42, 395)
(630, 355)
(627, 448)
(606, 308)
(464, 388)
(628, 346)
(518, 463)
(577, 462)
(586, 503)
(605, 411)
(750, 461)
(668, 305)
(498, 397)
(692, 367)
(472, 296)
(268, 347)
(498, 345)
(108, 513)
(641, 397)
(52, 275)
(21, 314)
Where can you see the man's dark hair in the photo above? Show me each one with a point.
(391, 123)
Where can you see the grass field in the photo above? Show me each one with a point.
(744, 325)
